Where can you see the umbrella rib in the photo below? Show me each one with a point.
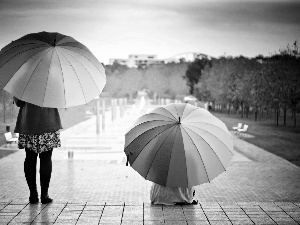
(18, 45)
(85, 69)
(159, 150)
(48, 77)
(62, 79)
(199, 154)
(64, 47)
(33, 72)
(186, 122)
(169, 113)
(21, 53)
(148, 121)
(210, 133)
(43, 38)
(208, 145)
(190, 112)
(146, 131)
(85, 49)
(76, 76)
(176, 110)
(154, 119)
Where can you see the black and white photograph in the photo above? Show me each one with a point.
(148, 112)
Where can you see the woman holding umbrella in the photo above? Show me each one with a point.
(38, 130)
(46, 71)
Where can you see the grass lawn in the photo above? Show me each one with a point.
(283, 141)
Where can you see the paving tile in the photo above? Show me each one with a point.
(132, 218)
(132, 222)
(110, 223)
(153, 222)
(264, 221)
(88, 220)
(242, 222)
(23, 219)
(5, 219)
(66, 221)
(219, 222)
(42, 223)
(286, 220)
(176, 222)
(93, 208)
(293, 213)
(191, 222)
(288, 206)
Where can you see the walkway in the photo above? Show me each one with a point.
(91, 185)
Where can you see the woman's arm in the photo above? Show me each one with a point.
(18, 102)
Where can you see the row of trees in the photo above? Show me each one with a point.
(164, 80)
(249, 84)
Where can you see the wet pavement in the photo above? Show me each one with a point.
(91, 185)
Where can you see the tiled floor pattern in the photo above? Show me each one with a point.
(89, 176)
(285, 213)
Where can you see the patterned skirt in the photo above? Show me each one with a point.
(39, 142)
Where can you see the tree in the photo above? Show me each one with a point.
(194, 72)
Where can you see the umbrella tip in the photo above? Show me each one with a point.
(179, 119)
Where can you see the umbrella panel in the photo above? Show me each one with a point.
(218, 139)
(160, 166)
(17, 84)
(8, 68)
(152, 152)
(137, 145)
(36, 85)
(164, 112)
(193, 160)
(150, 117)
(210, 159)
(142, 128)
(177, 174)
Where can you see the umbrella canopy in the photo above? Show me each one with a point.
(51, 70)
(179, 145)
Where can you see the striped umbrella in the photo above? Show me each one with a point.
(179, 145)
(51, 70)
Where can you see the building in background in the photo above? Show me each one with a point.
(139, 60)
(142, 60)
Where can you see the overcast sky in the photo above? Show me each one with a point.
(117, 28)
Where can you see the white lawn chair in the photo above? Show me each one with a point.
(9, 138)
(243, 130)
(239, 126)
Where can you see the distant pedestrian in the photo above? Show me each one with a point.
(38, 130)
(171, 195)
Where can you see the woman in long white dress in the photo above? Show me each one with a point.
(171, 195)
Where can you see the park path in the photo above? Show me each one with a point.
(89, 173)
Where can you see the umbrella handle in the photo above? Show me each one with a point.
(127, 155)
(127, 160)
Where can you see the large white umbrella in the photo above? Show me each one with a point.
(179, 145)
(51, 70)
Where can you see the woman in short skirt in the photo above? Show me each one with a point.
(38, 130)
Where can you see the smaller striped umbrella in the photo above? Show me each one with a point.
(179, 145)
